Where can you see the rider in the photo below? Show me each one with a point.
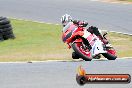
(67, 18)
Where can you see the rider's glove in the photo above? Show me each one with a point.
(94, 30)
(80, 23)
(91, 29)
(83, 24)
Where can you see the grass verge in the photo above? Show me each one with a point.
(122, 43)
(130, 0)
(38, 42)
(125, 0)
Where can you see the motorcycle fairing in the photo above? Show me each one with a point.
(97, 48)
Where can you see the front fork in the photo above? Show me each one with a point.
(69, 45)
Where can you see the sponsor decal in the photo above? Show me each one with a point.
(83, 78)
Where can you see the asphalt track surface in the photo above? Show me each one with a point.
(60, 74)
(114, 17)
(106, 16)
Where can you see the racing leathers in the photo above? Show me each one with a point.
(91, 29)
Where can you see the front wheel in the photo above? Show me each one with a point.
(82, 51)
(74, 55)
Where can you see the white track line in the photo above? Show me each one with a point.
(33, 21)
(78, 60)
(121, 33)
(60, 24)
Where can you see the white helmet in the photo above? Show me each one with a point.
(66, 19)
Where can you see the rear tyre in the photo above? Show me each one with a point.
(5, 26)
(82, 54)
(7, 29)
(10, 36)
(109, 56)
(2, 18)
(7, 32)
(1, 36)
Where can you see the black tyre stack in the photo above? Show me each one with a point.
(6, 30)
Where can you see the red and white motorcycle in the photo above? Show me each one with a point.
(86, 45)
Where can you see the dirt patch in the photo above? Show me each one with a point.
(34, 57)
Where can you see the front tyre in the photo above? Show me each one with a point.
(74, 55)
(82, 51)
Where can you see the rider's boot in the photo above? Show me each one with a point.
(95, 30)
(105, 41)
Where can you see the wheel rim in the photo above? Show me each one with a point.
(82, 50)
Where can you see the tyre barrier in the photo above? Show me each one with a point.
(6, 30)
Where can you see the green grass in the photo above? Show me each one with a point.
(126, 0)
(34, 41)
(39, 41)
(129, 0)
(122, 43)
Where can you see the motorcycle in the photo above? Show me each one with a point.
(86, 45)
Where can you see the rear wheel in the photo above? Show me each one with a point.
(111, 53)
(109, 56)
(82, 50)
